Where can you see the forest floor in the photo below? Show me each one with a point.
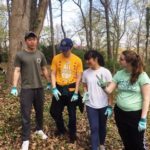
(10, 127)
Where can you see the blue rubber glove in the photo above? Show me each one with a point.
(48, 86)
(101, 82)
(56, 93)
(109, 111)
(85, 97)
(142, 124)
(74, 97)
(14, 91)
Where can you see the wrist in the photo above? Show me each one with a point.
(75, 94)
(109, 106)
(143, 119)
(14, 87)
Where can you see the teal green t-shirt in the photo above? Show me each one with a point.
(129, 96)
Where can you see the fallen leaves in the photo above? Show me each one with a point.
(10, 129)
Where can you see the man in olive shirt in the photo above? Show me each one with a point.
(29, 64)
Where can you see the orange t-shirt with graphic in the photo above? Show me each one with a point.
(66, 68)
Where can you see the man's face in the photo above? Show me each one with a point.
(31, 43)
(66, 53)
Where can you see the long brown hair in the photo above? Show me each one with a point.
(136, 63)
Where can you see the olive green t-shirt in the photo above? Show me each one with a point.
(129, 96)
(30, 64)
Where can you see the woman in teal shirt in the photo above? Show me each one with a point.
(132, 100)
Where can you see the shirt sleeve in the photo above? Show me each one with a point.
(80, 66)
(53, 65)
(17, 62)
(144, 79)
(43, 62)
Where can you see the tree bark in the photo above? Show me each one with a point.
(41, 12)
(62, 27)
(52, 28)
(19, 24)
(147, 31)
(90, 22)
(105, 4)
(84, 22)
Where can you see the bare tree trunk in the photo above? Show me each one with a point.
(62, 27)
(90, 21)
(84, 22)
(138, 41)
(19, 24)
(105, 4)
(147, 31)
(41, 12)
(33, 15)
(51, 27)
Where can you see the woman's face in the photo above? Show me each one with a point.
(122, 61)
(92, 62)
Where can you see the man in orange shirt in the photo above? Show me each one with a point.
(66, 72)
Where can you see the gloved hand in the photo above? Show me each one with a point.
(74, 97)
(48, 86)
(85, 97)
(56, 93)
(14, 91)
(142, 124)
(109, 111)
(101, 82)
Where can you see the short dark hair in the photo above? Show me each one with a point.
(30, 34)
(94, 54)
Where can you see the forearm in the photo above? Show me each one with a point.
(110, 87)
(145, 108)
(78, 82)
(110, 100)
(146, 100)
(46, 74)
(53, 80)
(16, 76)
(85, 87)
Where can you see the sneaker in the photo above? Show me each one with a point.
(102, 147)
(25, 145)
(41, 134)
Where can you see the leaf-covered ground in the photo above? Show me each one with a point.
(10, 128)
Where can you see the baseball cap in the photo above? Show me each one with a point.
(30, 34)
(65, 44)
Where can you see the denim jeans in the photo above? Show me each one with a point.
(97, 120)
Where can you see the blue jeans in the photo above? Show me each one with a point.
(97, 120)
